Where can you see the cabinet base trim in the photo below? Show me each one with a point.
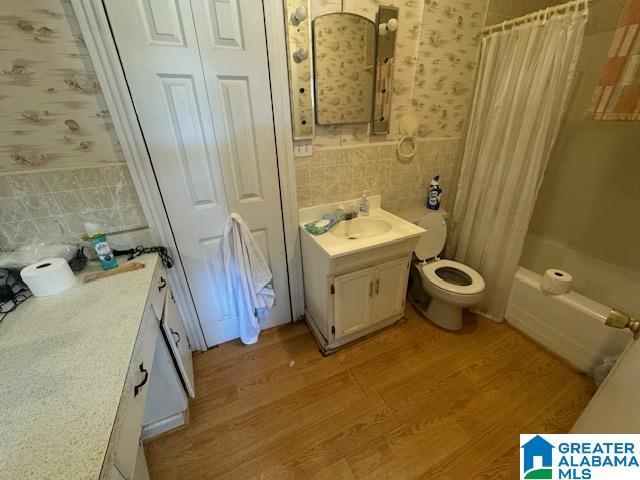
(328, 348)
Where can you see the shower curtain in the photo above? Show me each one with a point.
(523, 82)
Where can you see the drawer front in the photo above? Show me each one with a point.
(125, 436)
(159, 287)
(373, 257)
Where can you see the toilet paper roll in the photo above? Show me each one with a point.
(556, 282)
(48, 277)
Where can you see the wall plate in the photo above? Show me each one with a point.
(302, 148)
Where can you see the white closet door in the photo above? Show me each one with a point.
(233, 49)
(190, 151)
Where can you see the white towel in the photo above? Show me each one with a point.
(249, 277)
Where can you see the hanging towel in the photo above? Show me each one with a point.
(248, 276)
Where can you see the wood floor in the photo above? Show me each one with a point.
(414, 402)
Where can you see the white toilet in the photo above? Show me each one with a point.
(451, 285)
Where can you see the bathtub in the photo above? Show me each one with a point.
(570, 325)
(596, 278)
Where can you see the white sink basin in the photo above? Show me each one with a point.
(357, 235)
(360, 227)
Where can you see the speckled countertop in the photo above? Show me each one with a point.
(63, 363)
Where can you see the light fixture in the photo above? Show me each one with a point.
(390, 26)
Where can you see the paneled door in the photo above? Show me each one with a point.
(390, 289)
(198, 75)
(352, 301)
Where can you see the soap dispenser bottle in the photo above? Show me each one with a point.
(363, 208)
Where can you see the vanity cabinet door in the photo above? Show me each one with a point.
(352, 301)
(390, 289)
(178, 342)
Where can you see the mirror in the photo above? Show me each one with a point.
(344, 46)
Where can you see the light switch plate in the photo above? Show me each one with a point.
(302, 148)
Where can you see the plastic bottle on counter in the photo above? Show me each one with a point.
(99, 242)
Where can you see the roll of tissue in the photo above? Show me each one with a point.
(556, 282)
(48, 277)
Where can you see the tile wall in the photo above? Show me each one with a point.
(60, 161)
(57, 203)
(343, 173)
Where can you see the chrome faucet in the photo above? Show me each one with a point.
(348, 213)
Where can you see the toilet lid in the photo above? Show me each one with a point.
(453, 277)
(432, 241)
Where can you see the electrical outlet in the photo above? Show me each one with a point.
(302, 148)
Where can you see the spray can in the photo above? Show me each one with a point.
(434, 193)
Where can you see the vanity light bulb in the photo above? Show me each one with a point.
(300, 55)
(300, 13)
(392, 24)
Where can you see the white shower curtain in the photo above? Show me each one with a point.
(523, 82)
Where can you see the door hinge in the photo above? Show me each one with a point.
(333, 329)
(333, 290)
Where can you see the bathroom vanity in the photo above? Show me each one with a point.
(87, 373)
(356, 274)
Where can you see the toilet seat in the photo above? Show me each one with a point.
(475, 286)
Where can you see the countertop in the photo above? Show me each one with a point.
(335, 247)
(63, 364)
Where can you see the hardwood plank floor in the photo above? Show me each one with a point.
(414, 402)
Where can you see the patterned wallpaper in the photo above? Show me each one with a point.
(449, 42)
(436, 47)
(56, 131)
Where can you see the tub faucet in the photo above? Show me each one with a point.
(619, 319)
